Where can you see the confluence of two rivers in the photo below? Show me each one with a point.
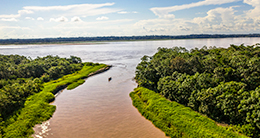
(100, 108)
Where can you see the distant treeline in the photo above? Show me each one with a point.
(120, 38)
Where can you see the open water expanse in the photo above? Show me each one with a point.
(102, 109)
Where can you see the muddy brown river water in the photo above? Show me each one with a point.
(100, 108)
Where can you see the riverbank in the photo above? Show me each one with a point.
(81, 80)
(37, 108)
(175, 119)
(59, 43)
(121, 38)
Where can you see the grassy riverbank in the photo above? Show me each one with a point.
(175, 119)
(72, 80)
(37, 108)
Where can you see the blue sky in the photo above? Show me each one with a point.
(83, 18)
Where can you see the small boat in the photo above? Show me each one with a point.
(110, 78)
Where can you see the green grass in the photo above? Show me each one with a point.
(37, 108)
(175, 119)
(75, 84)
(71, 78)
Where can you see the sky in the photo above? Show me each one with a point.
(88, 18)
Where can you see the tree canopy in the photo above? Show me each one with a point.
(222, 83)
(21, 77)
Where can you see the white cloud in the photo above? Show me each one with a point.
(60, 19)
(67, 7)
(217, 16)
(218, 20)
(29, 18)
(122, 12)
(14, 27)
(90, 25)
(40, 19)
(9, 19)
(102, 18)
(68, 10)
(253, 13)
(76, 10)
(169, 16)
(151, 30)
(10, 16)
(76, 19)
(125, 12)
(162, 11)
(69, 29)
(252, 2)
(20, 13)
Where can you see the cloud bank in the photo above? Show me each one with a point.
(68, 10)
(217, 20)
(105, 20)
(163, 11)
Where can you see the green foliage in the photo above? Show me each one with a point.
(178, 87)
(21, 77)
(13, 95)
(221, 102)
(36, 109)
(24, 102)
(175, 119)
(15, 66)
(223, 84)
(250, 106)
(75, 84)
(72, 78)
(248, 129)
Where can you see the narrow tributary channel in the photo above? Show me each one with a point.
(98, 109)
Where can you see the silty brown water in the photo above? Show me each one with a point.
(101, 108)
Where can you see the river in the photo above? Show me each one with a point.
(100, 108)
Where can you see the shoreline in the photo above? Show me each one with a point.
(65, 43)
(99, 71)
(42, 127)
(174, 119)
(108, 41)
(38, 104)
(61, 88)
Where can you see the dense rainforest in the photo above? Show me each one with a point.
(21, 77)
(221, 83)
